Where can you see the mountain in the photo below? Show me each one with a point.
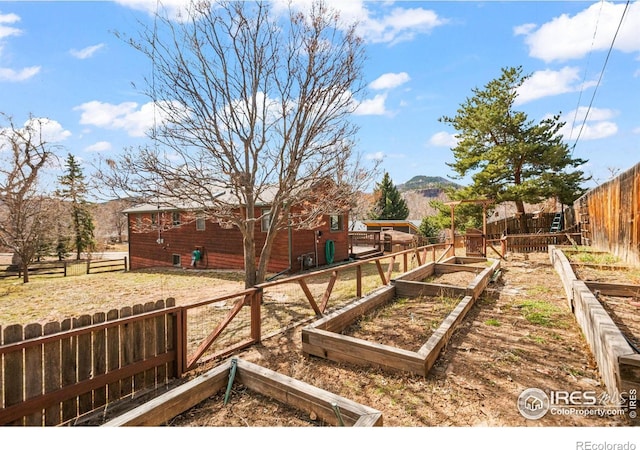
(420, 190)
(422, 182)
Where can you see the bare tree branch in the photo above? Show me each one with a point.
(256, 107)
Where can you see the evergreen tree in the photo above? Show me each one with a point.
(389, 203)
(74, 190)
(510, 157)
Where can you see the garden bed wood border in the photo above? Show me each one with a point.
(618, 364)
(287, 390)
(323, 339)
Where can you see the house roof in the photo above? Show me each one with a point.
(218, 195)
(221, 196)
(400, 237)
(412, 224)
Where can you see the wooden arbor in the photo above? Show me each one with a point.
(484, 203)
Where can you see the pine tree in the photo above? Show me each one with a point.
(389, 203)
(510, 157)
(74, 190)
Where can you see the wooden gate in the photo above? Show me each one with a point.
(474, 242)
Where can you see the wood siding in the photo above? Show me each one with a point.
(609, 216)
(222, 248)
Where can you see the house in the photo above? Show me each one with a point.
(404, 226)
(220, 246)
(392, 235)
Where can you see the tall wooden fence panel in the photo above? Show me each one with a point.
(53, 374)
(525, 224)
(609, 216)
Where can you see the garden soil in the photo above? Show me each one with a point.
(519, 335)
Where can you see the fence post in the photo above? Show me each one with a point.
(125, 264)
(64, 265)
(180, 341)
(359, 281)
(88, 266)
(256, 302)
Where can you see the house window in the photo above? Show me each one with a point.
(154, 218)
(175, 216)
(335, 222)
(266, 220)
(200, 222)
(175, 259)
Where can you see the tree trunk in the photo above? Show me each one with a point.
(250, 278)
(25, 273)
(520, 212)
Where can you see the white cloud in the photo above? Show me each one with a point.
(389, 80)
(377, 156)
(524, 29)
(172, 8)
(86, 52)
(100, 146)
(6, 31)
(46, 130)
(572, 37)
(443, 139)
(6, 73)
(52, 131)
(18, 75)
(598, 124)
(127, 116)
(38, 129)
(389, 27)
(400, 25)
(372, 107)
(544, 83)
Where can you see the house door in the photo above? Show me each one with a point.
(473, 242)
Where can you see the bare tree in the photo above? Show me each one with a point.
(111, 222)
(26, 213)
(252, 118)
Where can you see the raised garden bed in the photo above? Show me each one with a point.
(615, 285)
(284, 393)
(325, 338)
(605, 311)
(404, 322)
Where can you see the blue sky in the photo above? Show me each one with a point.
(61, 61)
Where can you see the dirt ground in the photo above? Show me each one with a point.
(519, 335)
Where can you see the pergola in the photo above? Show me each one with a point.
(484, 203)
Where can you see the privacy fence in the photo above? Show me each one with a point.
(609, 216)
(61, 372)
(528, 223)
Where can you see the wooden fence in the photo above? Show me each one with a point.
(67, 268)
(59, 372)
(609, 216)
(525, 224)
(532, 243)
(55, 373)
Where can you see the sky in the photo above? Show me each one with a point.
(62, 61)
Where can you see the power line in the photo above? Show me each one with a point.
(624, 12)
(586, 70)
